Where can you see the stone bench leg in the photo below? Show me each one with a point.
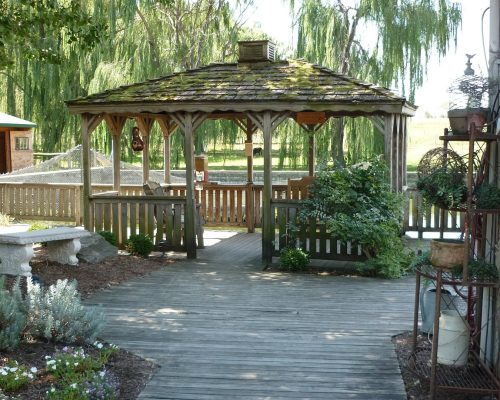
(64, 251)
(15, 259)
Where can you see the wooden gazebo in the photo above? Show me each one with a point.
(256, 93)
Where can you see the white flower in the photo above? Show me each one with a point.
(50, 362)
(31, 376)
(102, 373)
(54, 367)
(76, 364)
(13, 369)
(73, 385)
(34, 370)
(3, 372)
(52, 389)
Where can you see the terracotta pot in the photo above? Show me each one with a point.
(447, 253)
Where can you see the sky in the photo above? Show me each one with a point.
(274, 18)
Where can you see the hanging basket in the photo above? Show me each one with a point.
(447, 253)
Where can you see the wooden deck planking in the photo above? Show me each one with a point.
(221, 328)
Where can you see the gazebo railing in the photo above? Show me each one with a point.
(221, 205)
(313, 236)
(160, 217)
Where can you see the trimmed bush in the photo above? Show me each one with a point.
(140, 245)
(109, 237)
(293, 260)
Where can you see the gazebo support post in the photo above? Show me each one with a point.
(89, 123)
(188, 122)
(145, 124)
(267, 122)
(167, 127)
(115, 124)
(311, 159)
(250, 216)
(267, 193)
(388, 145)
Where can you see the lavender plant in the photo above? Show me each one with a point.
(57, 314)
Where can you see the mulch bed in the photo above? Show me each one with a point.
(133, 372)
(417, 389)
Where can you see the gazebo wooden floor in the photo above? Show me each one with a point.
(222, 329)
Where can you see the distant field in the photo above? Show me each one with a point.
(423, 135)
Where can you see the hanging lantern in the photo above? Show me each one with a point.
(137, 143)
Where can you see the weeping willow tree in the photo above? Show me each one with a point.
(144, 39)
(385, 42)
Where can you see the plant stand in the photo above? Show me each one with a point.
(476, 376)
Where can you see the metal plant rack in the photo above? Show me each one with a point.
(476, 376)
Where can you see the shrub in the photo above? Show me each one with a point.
(358, 205)
(141, 245)
(56, 314)
(38, 226)
(292, 259)
(110, 237)
(12, 316)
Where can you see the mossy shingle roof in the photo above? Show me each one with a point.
(284, 82)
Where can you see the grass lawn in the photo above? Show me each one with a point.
(423, 135)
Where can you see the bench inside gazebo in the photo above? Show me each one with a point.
(256, 92)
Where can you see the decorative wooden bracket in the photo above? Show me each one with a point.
(92, 121)
(244, 124)
(184, 119)
(115, 123)
(262, 122)
(167, 126)
(145, 124)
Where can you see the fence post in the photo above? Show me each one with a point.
(250, 208)
(77, 201)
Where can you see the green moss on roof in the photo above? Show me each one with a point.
(293, 80)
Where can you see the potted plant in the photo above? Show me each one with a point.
(468, 100)
(487, 196)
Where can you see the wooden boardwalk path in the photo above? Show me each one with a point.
(220, 328)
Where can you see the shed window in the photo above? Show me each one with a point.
(22, 143)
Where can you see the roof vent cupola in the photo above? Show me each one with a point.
(256, 51)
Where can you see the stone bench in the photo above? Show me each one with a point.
(16, 249)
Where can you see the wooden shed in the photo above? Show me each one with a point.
(16, 143)
(256, 92)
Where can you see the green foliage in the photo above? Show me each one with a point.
(487, 196)
(57, 314)
(333, 34)
(38, 226)
(482, 270)
(14, 376)
(109, 236)
(479, 269)
(357, 204)
(443, 188)
(293, 260)
(12, 316)
(33, 28)
(421, 260)
(82, 376)
(141, 245)
(5, 220)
